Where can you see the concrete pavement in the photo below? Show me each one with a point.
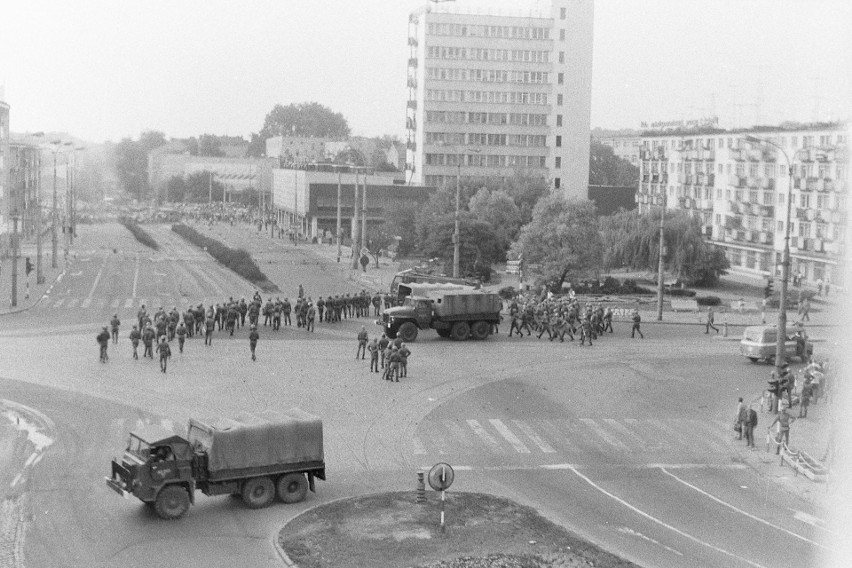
(29, 292)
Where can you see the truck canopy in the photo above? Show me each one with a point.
(464, 302)
(258, 440)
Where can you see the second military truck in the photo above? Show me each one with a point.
(255, 456)
(458, 314)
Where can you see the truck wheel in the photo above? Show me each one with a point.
(460, 331)
(292, 487)
(258, 492)
(408, 332)
(443, 332)
(172, 502)
(480, 329)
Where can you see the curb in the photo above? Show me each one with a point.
(45, 294)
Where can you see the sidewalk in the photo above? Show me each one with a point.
(30, 293)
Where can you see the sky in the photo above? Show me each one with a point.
(105, 70)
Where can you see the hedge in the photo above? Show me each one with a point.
(238, 260)
(681, 292)
(708, 300)
(139, 233)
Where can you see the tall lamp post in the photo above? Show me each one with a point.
(457, 229)
(661, 265)
(785, 259)
(56, 145)
(39, 230)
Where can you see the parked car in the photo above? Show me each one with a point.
(759, 343)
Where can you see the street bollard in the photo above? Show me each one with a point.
(725, 333)
(421, 489)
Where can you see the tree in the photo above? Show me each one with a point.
(304, 119)
(499, 210)
(210, 145)
(605, 168)
(176, 189)
(479, 248)
(130, 161)
(378, 240)
(198, 187)
(399, 219)
(633, 239)
(562, 238)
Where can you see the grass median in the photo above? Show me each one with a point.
(393, 530)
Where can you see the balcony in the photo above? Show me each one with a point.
(767, 183)
(753, 182)
(737, 154)
(798, 183)
(655, 178)
(412, 105)
(688, 179)
(412, 41)
(769, 155)
(828, 185)
(711, 180)
(646, 178)
(412, 83)
(707, 155)
(412, 62)
(767, 211)
(811, 184)
(754, 155)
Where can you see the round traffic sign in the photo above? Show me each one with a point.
(441, 476)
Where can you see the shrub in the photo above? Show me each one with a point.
(238, 260)
(507, 292)
(681, 292)
(708, 300)
(139, 233)
(611, 285)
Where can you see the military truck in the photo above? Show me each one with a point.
(255, 456)
(458, 314)
(400, 285)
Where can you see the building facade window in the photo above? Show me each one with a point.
(560, 78)
(559, 100)
(558, 141)
(561, 35)
(556, 182)
(804, 229)
(561, 57)
(562, 13)
(557, 162)
(558, 120)
(804, 201)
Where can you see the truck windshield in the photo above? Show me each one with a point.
(138, 447)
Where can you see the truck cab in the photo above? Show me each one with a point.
(415, 313)
(153, 458)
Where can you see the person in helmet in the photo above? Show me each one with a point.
(103, 340)
(253, 337)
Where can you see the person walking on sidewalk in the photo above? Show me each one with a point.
(749, 426)
(710, 321)
(783, 419)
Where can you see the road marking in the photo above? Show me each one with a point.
(419, 450)
(86, 303)
(128, 303)
(509, 436)
(707, 433)
(136, 275)
(114, 303)
(556, 466)
(532, 435)
(628, 530)
(97, 280)
(458, 433)
(636, 443)
(811, 520)
(662, 523)
(738, 510)
(492, 444)
(31, 459)
(17, 480)
(598, 429)
(59, 303)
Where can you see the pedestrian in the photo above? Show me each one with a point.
(819, 286)
(805, 398)
(301, 291)
(710, 320)
(763, 310)
(310, 317)
(607, 320)
(740, 418)
(165, 352)
(362, 343)
(135, 336)
(373, 348)
(404, 354)
(148, 335)
(585, 331)
(783, 419)
(393, 365)
(181, 332)
(805, 309)
(748, 427)
(103, 340)
(114, 324)
(253, 337)
(209, 326)
(637, 320)
(383, 345)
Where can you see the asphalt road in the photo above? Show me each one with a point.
(627, 442)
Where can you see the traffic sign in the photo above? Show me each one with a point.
(441, 476)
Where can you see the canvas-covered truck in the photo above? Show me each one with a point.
(458, 314)
(255, 456)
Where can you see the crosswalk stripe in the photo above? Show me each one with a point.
(114, 303)
(86, 303)
(636, 441)
(128, 303)
(652, 442)
(509, 436)
(600, 431)
(458, 433)
(419, 450)
(716, 439)
(532, 435)
(59, 303)
(492, 444)
(556, 434)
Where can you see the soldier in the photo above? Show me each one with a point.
(285, 310)
(148, 336)
(310, 317)
(608, 319)
(253, 337)
(362, 343)
(103, 340)
(254, 312)
(199, 318)
(243, 309)
(209, 326)
(377, 300)
(320, 307)
(231, 319)
(301, 291)
(115, 323)
(373, 348)
(393, 364)
(276, 314)
(173, 320)
(585, 331)
(165, 352)
(135, 336)
(383, 345)
(303, 313)
(560, 327)
(637, 320)
(140, 315)
(181, 332)
(544, 325)
(267, 312)
(189, 322)
(404, 353)
(386, 354)
(160, 326)
(515, 324)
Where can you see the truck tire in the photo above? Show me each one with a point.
(460, 331)
(292, 487)
(172, 502)
(408, 332)
(480, 330)
(443, 332)
(258, 492)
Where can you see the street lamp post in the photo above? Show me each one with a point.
(15, 244)
(661, 265)
(339, 229)
(785, 259)
(55, 212)
(456, 231)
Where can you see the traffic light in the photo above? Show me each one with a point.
(767, 292)
(29, 266)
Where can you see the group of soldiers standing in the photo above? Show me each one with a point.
(389, 355)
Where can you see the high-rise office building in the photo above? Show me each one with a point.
(492, 95)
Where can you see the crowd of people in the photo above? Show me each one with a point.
(558, 316)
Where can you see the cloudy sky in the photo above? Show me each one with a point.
(106, 69)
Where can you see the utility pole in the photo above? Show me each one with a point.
(339, 229)
(39, 273)
(364, 214)
(355, 223)
(14, 258)
(53, 236)
(660, 271)
(456, 235)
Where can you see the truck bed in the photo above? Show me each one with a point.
(264, 442)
